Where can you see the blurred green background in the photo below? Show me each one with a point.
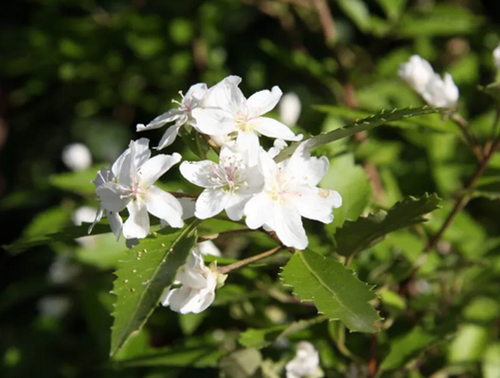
(89, 71)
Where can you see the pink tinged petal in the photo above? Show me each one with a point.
(211, 202)
(263, 102)
(289, 228)
(258, 210)
(137, 224)
(199, 173)
(113, 196)
(169, 137)
(274, 129)
(213, 121)
(155, 167)
(161, 120)
(115, 222)
(165, 206)
(318, 204)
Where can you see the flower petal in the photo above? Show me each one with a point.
(151, 170)
(263, 102)
(210, 202)
(165, 206)
(274, 129)
(199, 173)
(317, 170)
(137, 224)
(161, 120)
(289, 228)
(318, 204)
(213, 121)
(258, 210)
(249, 141)
(112, 196)
(115, 222)
(169, 137)
(236, 206)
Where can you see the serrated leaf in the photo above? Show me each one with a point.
(261, 338)
(335, 291)
(358, 235)
(143, 275)
(408, 347)
(362, 125)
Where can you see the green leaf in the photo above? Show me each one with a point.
(469, 343)
(362, 125)
(241, 364)
(492, 90)
(357, 11)
(408, 347)
(143, 275)
(358, 235)
(77, 182)
(261, 338)
(334, 290)
(392, 8)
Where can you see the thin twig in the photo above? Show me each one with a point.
(326, 20)
(226, 269)
(476, 148)
(372, 362)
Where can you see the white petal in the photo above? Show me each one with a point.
(317, 170)
(289, 228)
(210, 202)
(263, 102)
(226, 95)
(258, 210)
(137, 224)
(112, 195)
(115, 222)
(151, 170)
(298, 164)
(289, 108)
(169, 137)
(195, 93)
(207, 247)
(249, 141)
(188, 207)
(318, 204)
(236, 206)
(125, 168)
(165, 206)
(161, 120)
(274, 129)
(199, 173)
(213, 121)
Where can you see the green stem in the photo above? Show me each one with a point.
(226, 269)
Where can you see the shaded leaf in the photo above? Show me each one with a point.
(335, 291)
(358, 235)
(261, 338)
(142, 276)
(77, 182)
(357, 11)
(364, 124)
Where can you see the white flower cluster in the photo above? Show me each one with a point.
(245, 182)
(305, 364)
(419, 75)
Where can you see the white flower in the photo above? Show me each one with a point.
(416, 72)
(289, 108)
(496, 57)
(76, 156)
(84, 214)
(441, 93)
(227, 111)
(290, 193)
(198, 287)
(131, 187)
(207, 247)
(278, 146)
(181, 115)
(228, 185)
(305, 363)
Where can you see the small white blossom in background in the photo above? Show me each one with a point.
(84, 214)
(419, 75)
(77, 157)
(62, 270)
(496, 57)
(228, 185)
(131, 187)
(54, 306)
(289, 108)
(207, 247)
(197, 291)
(305, 364)
(289, 193)
(181, 116)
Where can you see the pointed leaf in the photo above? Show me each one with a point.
(358, 235)
(143, 275)
(362, 125)
(261, 338)
(333, 289)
